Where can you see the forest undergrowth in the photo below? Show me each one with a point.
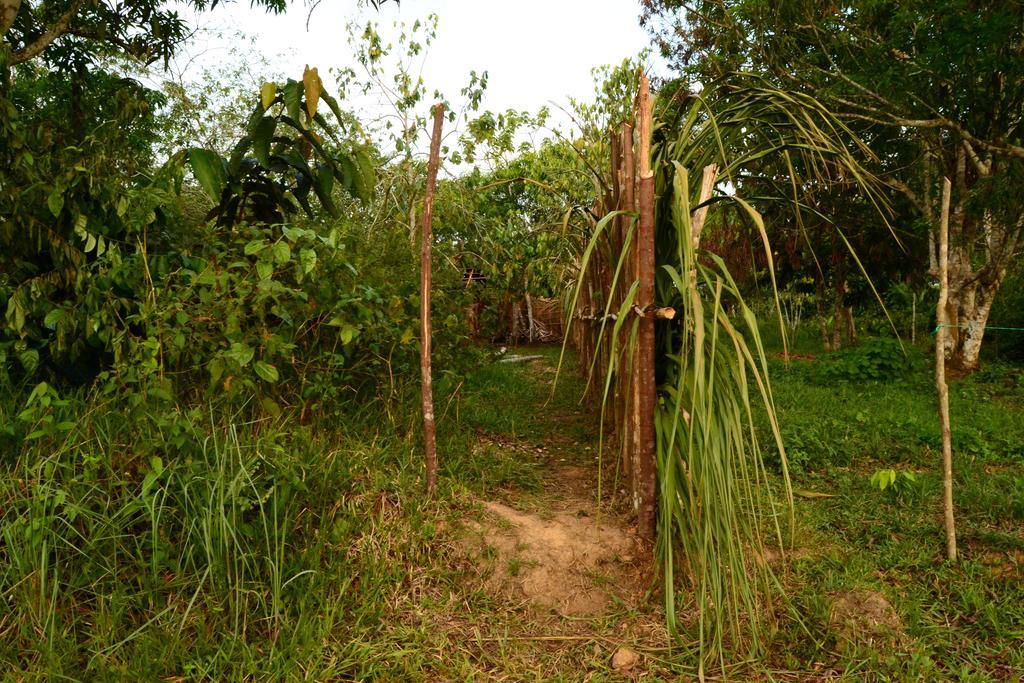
(201, 546)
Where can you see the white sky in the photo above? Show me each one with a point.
(535, 51)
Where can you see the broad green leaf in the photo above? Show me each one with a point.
(348, 333)
(208, 168)
(292, 92)
(349, 174)
(15, 314)
(56, 202)
(365, 176)
(29, 360)
(282, 253)
(307, 259)
(324, 184)
(266, 371)
(216, 368)
(255, 246)
(241, 353)
(53, 317)
(262, 136)
(264, 269)
(238, 154)
(292, 234)
(333, 104)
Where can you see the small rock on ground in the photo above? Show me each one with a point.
(625, 659)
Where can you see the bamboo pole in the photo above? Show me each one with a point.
(646, 470)
(429, 428)
(940, 375)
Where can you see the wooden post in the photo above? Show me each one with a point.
(429, 429)
(645, 465)
(940, 375)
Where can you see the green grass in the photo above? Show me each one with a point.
(272, 550)
(161, 541)
(962, 622)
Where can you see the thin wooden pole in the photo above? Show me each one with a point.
(940, 375)
(646, 389)
(429, 429)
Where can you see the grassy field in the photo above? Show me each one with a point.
(962, 622)
(192, 546)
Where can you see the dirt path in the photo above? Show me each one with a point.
(577, 578)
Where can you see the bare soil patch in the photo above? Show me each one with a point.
(565, 558)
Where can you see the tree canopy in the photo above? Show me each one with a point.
(936, 89)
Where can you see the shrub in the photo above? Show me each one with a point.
(876, 360)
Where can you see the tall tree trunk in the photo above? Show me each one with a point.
(971, 296)
(851, 326)
(837, 312)
(429, 429)
(819, 302)
(839, 282)
(8, 12)
(981, 251)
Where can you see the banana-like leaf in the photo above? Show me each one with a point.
(292, 93)
(208, 168)
(323, 186)
(365, 177)
(262, 137)
(333, 104)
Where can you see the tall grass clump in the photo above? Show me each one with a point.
(168, 540)
(716, 501)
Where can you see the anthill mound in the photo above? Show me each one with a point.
(563, 558)
(864, 617)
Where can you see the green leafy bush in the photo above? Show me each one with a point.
(876, 360)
